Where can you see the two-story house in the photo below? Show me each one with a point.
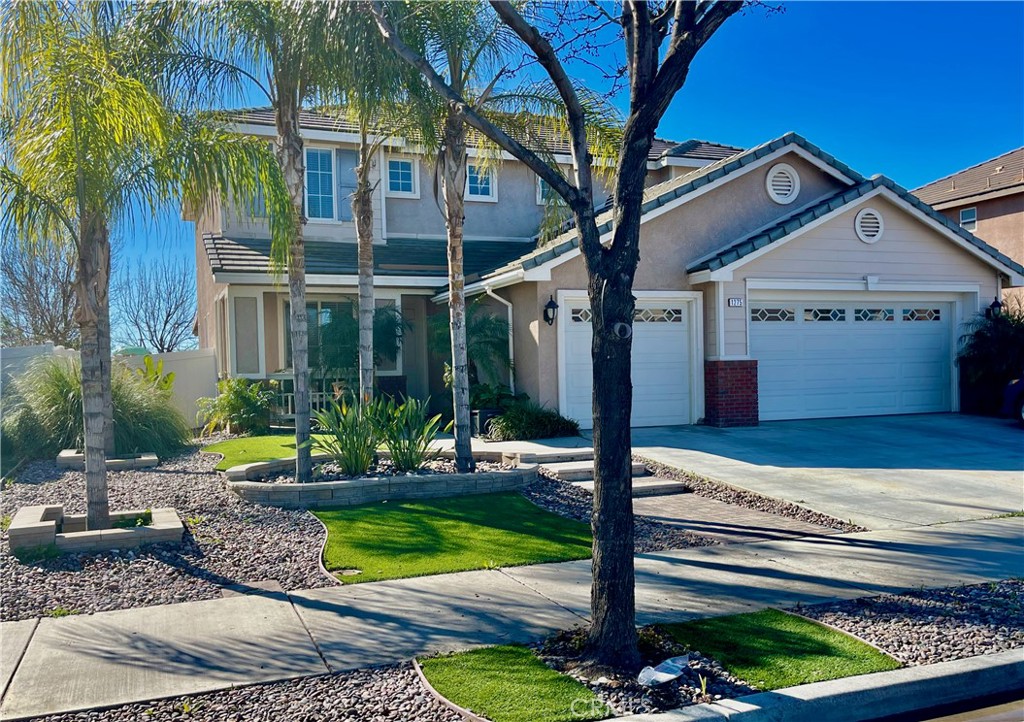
(986, 199)
(774, 282)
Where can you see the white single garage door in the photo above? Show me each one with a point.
(662, 364)
(826, 358)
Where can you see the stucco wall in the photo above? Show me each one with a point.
(1000, 223)
(206, 288)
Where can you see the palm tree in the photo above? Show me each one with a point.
(284, 52)
(91, 139)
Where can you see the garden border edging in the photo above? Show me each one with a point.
(462, 711)
(351, 492)
(867, 696)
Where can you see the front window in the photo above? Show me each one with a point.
(480, 183)
(969, 218)
(319, 184)
(401, 180)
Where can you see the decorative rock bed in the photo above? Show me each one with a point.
(47, 526)
(72, 459)
(351, 492)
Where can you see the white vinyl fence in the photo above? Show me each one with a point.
(195, 372)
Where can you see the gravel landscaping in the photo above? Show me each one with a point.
(573, 502)
(227, 541)
(703, 486)
(938, 625)
(384, 694)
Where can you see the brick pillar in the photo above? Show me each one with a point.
(730, 393)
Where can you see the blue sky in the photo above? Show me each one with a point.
(912, 90)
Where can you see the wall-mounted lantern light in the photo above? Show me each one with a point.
(995, 309)
(550, 311)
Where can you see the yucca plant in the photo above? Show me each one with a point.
(349, 435)
(407, 431)
(43, 415)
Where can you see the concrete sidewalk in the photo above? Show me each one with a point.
(75, 663)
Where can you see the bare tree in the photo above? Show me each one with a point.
(37, 296)
(155, 305)
(660, 40)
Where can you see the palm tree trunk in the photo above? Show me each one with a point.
(362, 208)
(293, 165)
(453, 162)
(92, 286)
(106, 359)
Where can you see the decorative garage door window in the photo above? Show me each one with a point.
(658, 315)
(874, 314)
(824, 314)
(922, 314)
(772, 314)
(580, 315)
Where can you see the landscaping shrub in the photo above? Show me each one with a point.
(241, 407)
(991, 355)
(527, 420)
(349, 435)
(43, 412)
(407, 431)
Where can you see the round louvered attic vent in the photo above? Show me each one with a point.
(783, 183)
(869, 225)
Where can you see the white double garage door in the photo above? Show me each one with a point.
(863, 354)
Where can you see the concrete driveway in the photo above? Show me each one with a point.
(880, 472)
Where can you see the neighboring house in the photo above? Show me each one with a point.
(774, 283)
(987, 200)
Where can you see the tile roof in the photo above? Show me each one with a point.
(997, 174)
(398, 257)
(315, 120)
(658, 195)
(800, 218)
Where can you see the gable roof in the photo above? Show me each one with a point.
(798, 219)
(660, 194)
(699, 150)
(398, 257)
(999, 175)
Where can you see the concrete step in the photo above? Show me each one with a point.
(555, 456)
(645, 486)
(580, 470)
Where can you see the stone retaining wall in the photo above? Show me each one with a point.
(37, 526)
(362, 491)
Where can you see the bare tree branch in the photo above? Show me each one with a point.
(37, 293)
(155, 305)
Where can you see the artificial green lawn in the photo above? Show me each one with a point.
(396, 539)
(249, 449)
(772, 649)
(509, 684)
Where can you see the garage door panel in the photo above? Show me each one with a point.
(661, 364)
(882, 357)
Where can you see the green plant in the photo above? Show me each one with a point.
(349, 435)
(132, 522)
(991, 355)
(527, 420)
(58, 612)
(43, 412)
(493, 396)
(407, 431)
(334, 345)
(30, 555)
(5, 522)
(241, 406)
(486, 341)
(153, 373)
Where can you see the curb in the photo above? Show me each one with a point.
(866, 697)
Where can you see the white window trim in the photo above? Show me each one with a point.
(493, 198)
(334, 187)
(975, 221)
(786, 168)
(415, 177)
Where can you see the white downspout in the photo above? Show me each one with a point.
(511, 347)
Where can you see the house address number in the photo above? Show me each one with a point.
(735, 303)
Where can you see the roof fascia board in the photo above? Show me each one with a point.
(328, 279)
(270, 131)
(978, 198)
(472, 289)
(666, 161)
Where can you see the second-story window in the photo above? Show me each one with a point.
(319, 184)
(968, 218)
(544, 192)
(402, 177)
(480, 183)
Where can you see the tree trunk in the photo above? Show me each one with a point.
(453, 168)
(290, 155)
(92, 286)
(106, 360)
(362, 208)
